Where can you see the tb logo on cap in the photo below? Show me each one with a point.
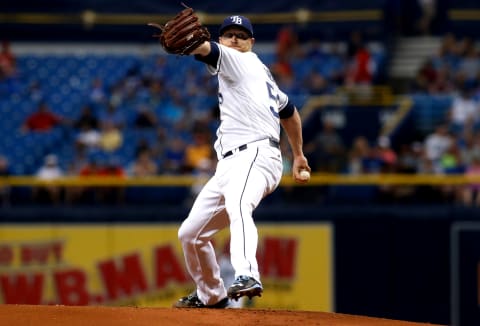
(236, 20)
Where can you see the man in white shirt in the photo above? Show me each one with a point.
(50, 170)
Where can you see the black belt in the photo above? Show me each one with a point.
(271, 141)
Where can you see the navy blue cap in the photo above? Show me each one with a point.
(239, 21)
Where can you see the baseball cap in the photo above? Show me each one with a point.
(239, 21)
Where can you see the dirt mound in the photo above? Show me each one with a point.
(20, 315)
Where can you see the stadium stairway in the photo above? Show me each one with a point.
(408, 55)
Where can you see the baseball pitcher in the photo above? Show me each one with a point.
(252, 109)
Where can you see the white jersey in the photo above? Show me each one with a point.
(249, 101)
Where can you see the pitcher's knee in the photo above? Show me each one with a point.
(183, 234)
(187, 237)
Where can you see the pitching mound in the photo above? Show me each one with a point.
(20, 315)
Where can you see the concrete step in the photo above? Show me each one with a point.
(410, 53)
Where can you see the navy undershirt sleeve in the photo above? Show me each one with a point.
(212, 58)
(287, 111)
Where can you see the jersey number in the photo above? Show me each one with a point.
(273, 96)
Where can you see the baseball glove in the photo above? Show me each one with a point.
(182, 34)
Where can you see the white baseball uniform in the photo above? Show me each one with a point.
(249, 168)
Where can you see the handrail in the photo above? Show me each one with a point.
(317, 179)
(91, 18)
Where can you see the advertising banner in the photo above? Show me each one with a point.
(143, 265)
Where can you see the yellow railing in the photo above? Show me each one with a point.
(464, 14)
(375, 95)
(317, 179)
(90, 18)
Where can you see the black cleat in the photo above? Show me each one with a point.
(192, 301)
(245, 286)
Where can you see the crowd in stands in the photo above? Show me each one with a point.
(148, 123)
(455, 66)
(453, 145)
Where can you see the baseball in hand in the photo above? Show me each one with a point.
(304, 175)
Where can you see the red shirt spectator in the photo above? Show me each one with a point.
(90, 169)
(287, 42)
(112, 171)
(94, 169)
(7, 61)
(42, 120)
(363, 68)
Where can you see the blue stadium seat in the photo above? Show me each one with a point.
(66, 81)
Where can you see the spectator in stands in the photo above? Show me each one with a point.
(91, 168)
(42, 120)
(326, 151)
(448, 55)
(8, 64)
(76, 162)
(386, 155)
(111, 138)
(49, 171)
(470, 146)
(86, 119)
(425, 77)
(409, 157)
(88, 135)
(471, 192)
(81, 194)
(451, 159)
(287, 46)
(357, 156)
(436, 144)
(198, 151)
(442, 83)
(361, 68)
(87, 139)
(451, 163)
(469, 65)
(286, 50)
(387, 158)
(98, 94)
(145, 117)
(316, 84)
(464, 112)
(143, 165)
(143, 145)
(104, 194)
